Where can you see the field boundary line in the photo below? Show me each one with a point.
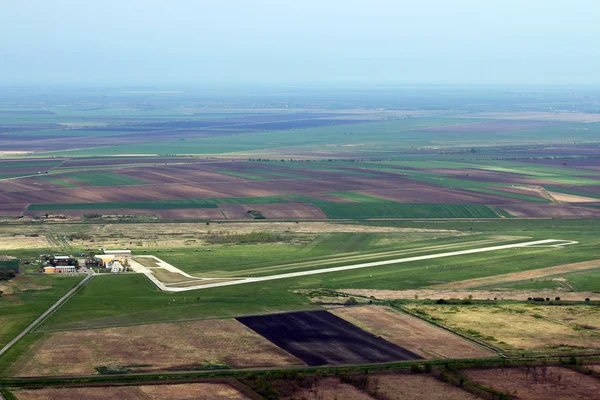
(174, 321)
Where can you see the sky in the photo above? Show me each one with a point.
(164, 42)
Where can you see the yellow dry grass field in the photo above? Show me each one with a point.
(106, 234)
(9, 242)
(516, 327)
(584, 317)
(520, 276)
(539, 383)
(189, 391)
(169, 346)
(504, 294)
(332, 389)
(416, 387)
(411, 333)
(570, 198)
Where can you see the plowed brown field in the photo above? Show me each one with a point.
(539, 383)
(189, 391)
(411, 333)
(417, 387)
(177, 346)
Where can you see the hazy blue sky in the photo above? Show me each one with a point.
(262, 41)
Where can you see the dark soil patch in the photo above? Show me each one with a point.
(321, 338)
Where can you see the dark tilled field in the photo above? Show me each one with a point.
(321, 338)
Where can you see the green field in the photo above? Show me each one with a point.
(141, 302)
(43, 165)
(365, 146)
(384, 136)
(363, 207)
(96, 179)
(83, 310)
(26, 297)
(329, 248)
(158, 204)
(397, 210)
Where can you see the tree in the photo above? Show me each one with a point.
(351, 302)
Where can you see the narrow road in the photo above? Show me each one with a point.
(239, 281)
(53, 307)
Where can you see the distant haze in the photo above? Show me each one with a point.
(295, 41)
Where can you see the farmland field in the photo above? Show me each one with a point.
(192, 391)
(191, 345)
(366, 204)
(539, 383)
(522, 327)
(27, 296)
(411, 333)
(418, 387)
(337, 190)
(321, 338)
(269, 258)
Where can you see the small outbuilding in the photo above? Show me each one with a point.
(115, 267)
(118, 253)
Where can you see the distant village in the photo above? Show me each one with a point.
(110, 261)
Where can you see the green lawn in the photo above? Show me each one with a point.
(585, 282)
(26, 297)
(114, 300)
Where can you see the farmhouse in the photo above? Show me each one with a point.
(59, 264)
(65, 269)
(61, 260)
(60, 269)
